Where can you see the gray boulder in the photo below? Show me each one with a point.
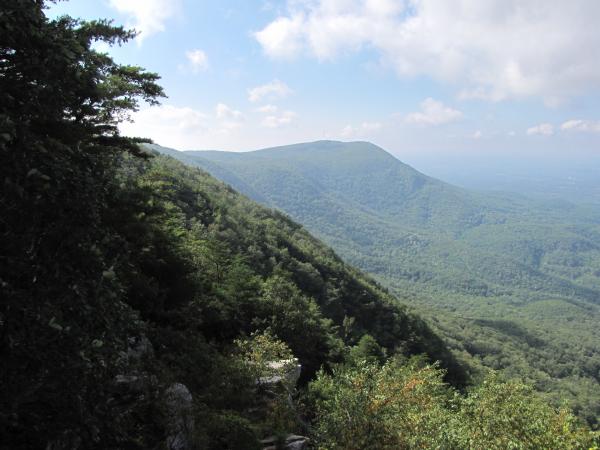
(292, 442)
(285, 371)
(178, 400)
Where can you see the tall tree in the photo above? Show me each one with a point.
(62, 320)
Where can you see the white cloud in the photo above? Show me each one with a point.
(283, 37)
(347, 131)
(434, 113)
(371, 126)
(270, 91)
(277, 121)
(365, 129)
(197, 59)
(224, 112)
(590, 126)
(228, 118)
(267, 109)
(544, 129)
(147, 16)
(477, 135)
(167, 125)
(490, 49)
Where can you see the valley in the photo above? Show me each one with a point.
(512, 283)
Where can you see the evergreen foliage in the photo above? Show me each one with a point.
(63, 321)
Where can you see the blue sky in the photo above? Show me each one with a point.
(422, 78)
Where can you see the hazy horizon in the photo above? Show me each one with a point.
(536, 175)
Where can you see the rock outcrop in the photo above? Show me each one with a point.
(178, 399)
(291, 442)
(285, 371)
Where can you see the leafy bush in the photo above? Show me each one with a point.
(406, 406)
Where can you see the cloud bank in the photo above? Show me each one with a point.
(490, 49)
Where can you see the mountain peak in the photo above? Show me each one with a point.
(354, 155)
(324, 170)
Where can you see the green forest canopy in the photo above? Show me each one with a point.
(512, 284)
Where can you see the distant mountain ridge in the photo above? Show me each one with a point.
(358, 193)
(466, 258)
(342, 170)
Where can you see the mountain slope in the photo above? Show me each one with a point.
(495, 261)
(179, 275)
(360, 192)
(271, 245)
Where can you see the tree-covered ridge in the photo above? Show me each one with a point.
(513, 284)
(227, 239)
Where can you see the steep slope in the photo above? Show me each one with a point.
(495, 261)
(359, 192)
(178, 270)
(271, 245)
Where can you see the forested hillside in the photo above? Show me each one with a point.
(146, 305)
(513, 284)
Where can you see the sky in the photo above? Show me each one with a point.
(428, 80)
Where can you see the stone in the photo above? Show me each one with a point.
(285, 370)
(292, 442)
(179, 404)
